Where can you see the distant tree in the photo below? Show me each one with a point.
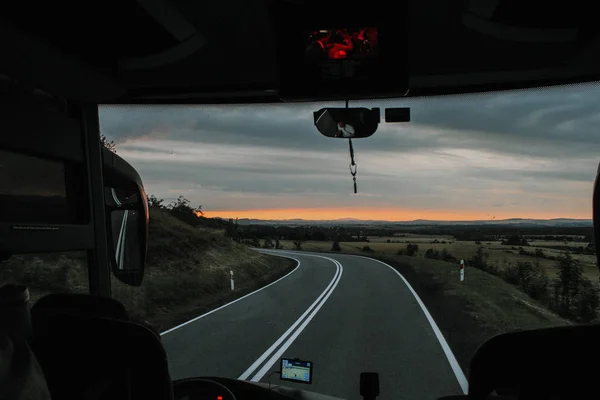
(515, 240)
(298, 244)
(568, 285)
(433, 254)
(233, 231)
(109, 145)
(154, 202)
(479, 260)
(539, 253)
(412, 249)
(268, 243)
(277, 244)
(589, 301)
(182, 210)
(335, 246)
(446, 256)
(255, 242)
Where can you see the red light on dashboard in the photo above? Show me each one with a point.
(338, 54)
(219, 397)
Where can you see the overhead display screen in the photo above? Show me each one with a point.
(36, 190)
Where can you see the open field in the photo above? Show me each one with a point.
(498, 254)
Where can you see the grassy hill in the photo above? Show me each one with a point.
(188, 272)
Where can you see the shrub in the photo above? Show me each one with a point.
(530, 277)
(539, 253)
(367, 249)
(446, 256)
(479, 260)
(412, 249)
(335, 246)
(433, 254)
(588, 301)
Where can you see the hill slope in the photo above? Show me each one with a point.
(188, 272)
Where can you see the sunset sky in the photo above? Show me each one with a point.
(519, 154)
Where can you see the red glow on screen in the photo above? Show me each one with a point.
(219, 397)
(335, 44)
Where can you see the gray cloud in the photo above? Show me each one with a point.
(463, 152)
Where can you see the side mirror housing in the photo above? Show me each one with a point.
(127, 218)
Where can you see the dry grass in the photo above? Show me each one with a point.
(499, 255)
(497, 305)
(188, 272)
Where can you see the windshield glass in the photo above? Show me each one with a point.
(471, 220)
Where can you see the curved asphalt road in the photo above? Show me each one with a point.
(347, 314)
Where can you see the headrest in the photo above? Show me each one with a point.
(81, 353)
(76, 303)
(86, 345)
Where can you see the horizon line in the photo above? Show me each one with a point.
(412, 220)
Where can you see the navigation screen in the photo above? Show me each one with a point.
(296, 370)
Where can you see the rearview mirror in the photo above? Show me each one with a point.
(347, 123)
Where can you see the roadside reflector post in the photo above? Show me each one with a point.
(462, 270)
(232, 283)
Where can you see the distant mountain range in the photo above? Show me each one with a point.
(558, 222)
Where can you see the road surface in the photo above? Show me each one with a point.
(347, 314)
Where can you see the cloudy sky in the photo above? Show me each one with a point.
(529, 154)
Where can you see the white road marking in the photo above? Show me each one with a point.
(236, 300)
(115, 198)
(120, 241)
(122, 262)
(458, 372)
(275, 358)
(292, 332)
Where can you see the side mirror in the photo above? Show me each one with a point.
(347, 123)
(127, 219)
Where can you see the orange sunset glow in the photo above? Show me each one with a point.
(382, 214)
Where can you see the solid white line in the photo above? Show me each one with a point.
(320, 116)
(114, 195)
(236, 300)
(289, 342)
(120, 241)
(267, 353)
(458, 372)
(122, 259)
